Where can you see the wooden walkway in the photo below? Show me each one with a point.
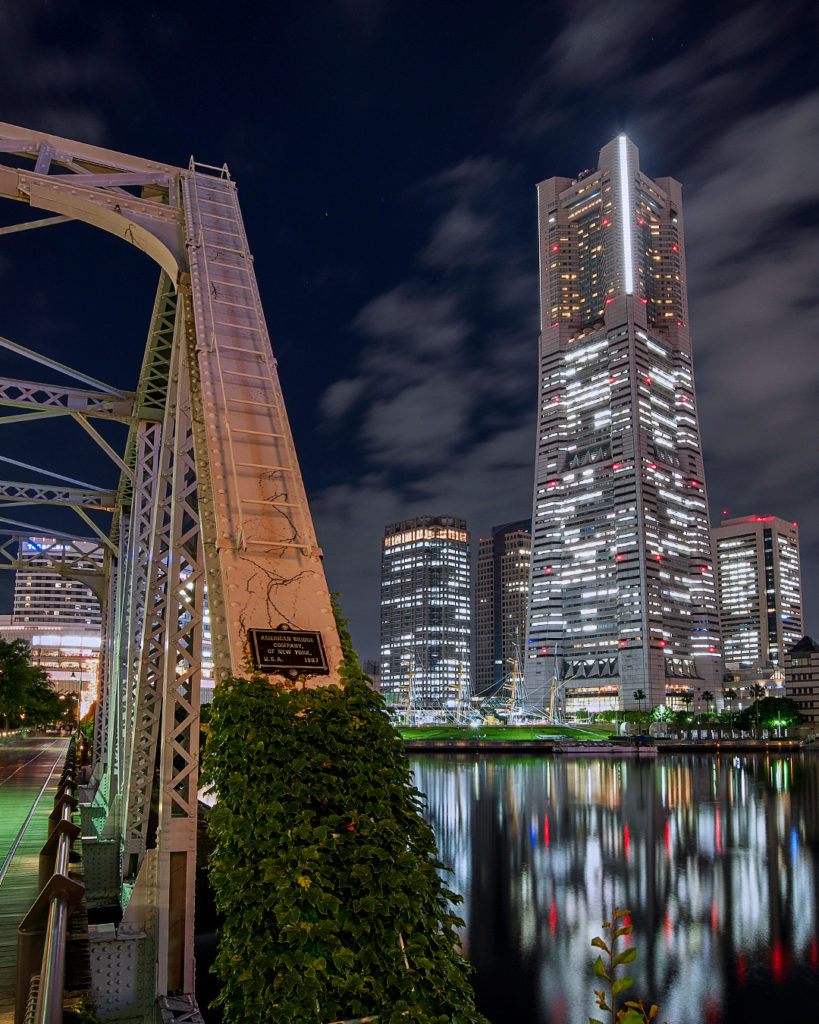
(29, 772)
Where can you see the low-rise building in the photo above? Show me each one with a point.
(802, 677)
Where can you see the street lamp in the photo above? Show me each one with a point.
(76, 696)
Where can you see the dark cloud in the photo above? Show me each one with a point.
(387, 156)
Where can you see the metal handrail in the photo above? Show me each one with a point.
(43, 946)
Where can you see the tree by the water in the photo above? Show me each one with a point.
(26, 695)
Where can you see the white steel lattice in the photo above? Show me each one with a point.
(210, 494)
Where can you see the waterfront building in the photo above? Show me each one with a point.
(501, 597)
(622, 594)
(425, 612)
(45, 597)
(802, 677)
(759, 585)
(70, 654)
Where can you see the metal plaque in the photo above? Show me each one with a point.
(288, 652)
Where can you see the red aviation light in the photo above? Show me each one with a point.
(611, 299)
(556, 398)
(612, 380)
(794, 524)
(675, 248)
(552, 483)
(779, 964)
(619, 558)
(605, 222)
(661, 643)
(623, 643)
(648, 380)
(617, 465)
(712, 650)
(641, 222)
(544, 650)
(548, 570)
(658, 558)
(644, 301)
(555, 248)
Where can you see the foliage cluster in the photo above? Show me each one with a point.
(26, 695)
(632, 1011)
(325, 871)
(772, 711)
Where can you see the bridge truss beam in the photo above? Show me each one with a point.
(210, 499)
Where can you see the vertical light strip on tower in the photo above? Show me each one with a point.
(625, 216)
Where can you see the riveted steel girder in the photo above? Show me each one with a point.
(210, 496)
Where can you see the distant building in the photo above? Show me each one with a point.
(46, 597)
(373, 670)
(802, 677)
(70, 654)
(425, 611)
(501, 595)
(760, 591)
(622, 595)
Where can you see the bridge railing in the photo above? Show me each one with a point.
(42, 935)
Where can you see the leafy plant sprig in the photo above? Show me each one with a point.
(632, 1011)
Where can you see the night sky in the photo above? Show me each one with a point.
(386, 154)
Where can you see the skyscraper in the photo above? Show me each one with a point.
(425, 611)
(501, 592)
(760, 590)
(48, 598)
(622, 594)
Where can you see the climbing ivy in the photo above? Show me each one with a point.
(325, 871)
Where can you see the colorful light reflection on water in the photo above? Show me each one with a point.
(717, 859)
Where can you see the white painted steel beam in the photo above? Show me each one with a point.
(210, 494)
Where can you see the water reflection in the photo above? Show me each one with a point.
(717, 859)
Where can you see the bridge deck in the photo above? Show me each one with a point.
(29, 772)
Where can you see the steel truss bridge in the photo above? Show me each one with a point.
(209, 499)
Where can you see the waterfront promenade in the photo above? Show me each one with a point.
(29, 774)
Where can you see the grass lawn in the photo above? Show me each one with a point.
(594, 731)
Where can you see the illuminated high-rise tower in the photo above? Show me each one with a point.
(622, 594)
(760, 590)
(501, 592)
(426, 619)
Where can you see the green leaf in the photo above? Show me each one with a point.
(631, 1017)
(626, 957)
(600, 970)
(594, 1020)
(620, 985)
(598, 942)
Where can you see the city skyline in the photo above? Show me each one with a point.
(397, 262)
